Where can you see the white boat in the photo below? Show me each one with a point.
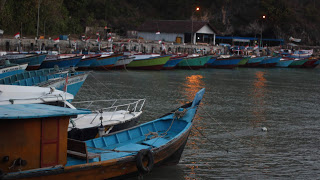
(121, 63)
(109, 115)
(11, 94)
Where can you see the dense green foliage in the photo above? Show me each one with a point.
(285, 18)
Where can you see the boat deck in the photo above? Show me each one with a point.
(129, 142)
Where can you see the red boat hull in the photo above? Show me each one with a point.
(310, 64)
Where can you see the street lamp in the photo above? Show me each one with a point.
(263, 18)
(197, 9)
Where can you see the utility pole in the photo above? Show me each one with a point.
(38, 18)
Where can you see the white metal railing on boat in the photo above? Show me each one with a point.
(129, 105)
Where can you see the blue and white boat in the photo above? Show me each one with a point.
(61, 63)
(254, 61)
(269, 62)
(87, 60)
(284, 62)
(226, 62)
(11, 69)
(33, 60)
(106, 61)
(49, 78)
(117, 155)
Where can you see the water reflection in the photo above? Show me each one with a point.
(258, 94)
(191, 86)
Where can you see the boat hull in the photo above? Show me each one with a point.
(112, 169)
(297, 63)
(269, 62)
(226, 63)
(85, 63)
(254, 62)
(122, 63)
(61, 63)
(12, 70)
(311, 63)
(243, 61)
(172, 63)
(74, 83)
(105, 63)
(284, 63)
(193, 63)
(34, 62)
(153, 63)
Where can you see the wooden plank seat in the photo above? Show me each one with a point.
(78, 149)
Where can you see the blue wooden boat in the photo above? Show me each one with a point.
(106, 62)
(118, 155)
(284, 62)
(254, 62)
(61, 63)
(11, 69)
(33, 60)
(226, 63)
(48, 78)
(86, 62)
(269, 62)
(173, 62)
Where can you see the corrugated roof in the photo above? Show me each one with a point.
(28, 111)
(173, 26)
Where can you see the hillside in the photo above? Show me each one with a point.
(284, 18)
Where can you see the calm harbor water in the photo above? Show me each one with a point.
(237, 103)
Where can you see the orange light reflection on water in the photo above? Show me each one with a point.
(259, 91)
(191, 86)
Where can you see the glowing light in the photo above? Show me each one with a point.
(263, 16)
(197, 9)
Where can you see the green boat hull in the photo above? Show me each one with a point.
(298, 63)
(194, 63)
(154, 63)
(244, 61)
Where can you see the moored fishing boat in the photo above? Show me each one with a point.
(118, 155)
(70, 82)
(193, 63)
(254, 62)
(111, 116)
(33, 60)
(49, 78)
(151, 63)
(9, 69)
(12, 94)
(284, 62)
(297, 63)
(105, 62)
(228, 62)
(61, 62)
(86, 61)
(269, 62)
(173, 62)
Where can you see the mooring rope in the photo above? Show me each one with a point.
(239, 139)
(209, 139)
(104, 85)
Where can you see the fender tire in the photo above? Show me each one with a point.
(144, 153)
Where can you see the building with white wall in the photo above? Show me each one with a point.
(179, 31)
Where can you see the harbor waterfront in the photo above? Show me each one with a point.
(237, 104)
